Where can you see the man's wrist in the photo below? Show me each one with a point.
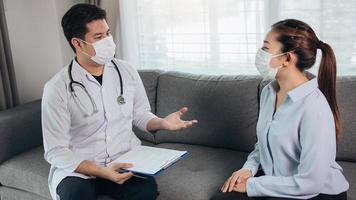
(91, 169)
(155, 124)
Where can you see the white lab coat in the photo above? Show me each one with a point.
(69, 137)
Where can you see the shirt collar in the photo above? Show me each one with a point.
(303, 90)
(300, 91)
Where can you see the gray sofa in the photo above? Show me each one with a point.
(227, 110)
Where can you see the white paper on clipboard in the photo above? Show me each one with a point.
(150, 160)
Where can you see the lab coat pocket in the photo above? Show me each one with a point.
(127, 108)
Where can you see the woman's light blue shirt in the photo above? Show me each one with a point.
(296, 146)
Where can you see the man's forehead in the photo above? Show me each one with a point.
(97, 27)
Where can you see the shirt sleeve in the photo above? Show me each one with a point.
(55, 130)
(142, 114)
(253, 160)
(318, 149)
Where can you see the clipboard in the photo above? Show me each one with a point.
(150, 161)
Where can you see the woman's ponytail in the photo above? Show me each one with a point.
(327, 82)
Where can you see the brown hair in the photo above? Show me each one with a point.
(300, 38)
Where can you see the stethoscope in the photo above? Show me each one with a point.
(120, 98)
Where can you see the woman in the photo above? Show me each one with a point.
(299, 122)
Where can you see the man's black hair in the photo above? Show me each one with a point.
(77, 17)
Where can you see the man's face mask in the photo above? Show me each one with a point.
(104, 50)
(263, 58)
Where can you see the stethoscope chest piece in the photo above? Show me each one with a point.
(121, 100)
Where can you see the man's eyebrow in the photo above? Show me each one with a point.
(96, 34)
(265, 41)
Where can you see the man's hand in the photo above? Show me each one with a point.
(111, 172)
(237, 181)
(172, 122)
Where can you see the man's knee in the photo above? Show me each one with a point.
(149, 189)
(72, 188)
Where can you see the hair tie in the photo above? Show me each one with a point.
(319, 44)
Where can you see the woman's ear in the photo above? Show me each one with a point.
(290, 58)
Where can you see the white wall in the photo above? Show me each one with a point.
(113, 19)
(38, 46)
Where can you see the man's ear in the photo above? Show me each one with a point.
(76, 43)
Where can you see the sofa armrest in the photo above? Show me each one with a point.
(20, 129)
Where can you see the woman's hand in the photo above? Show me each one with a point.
(237, 181)
(240, 187)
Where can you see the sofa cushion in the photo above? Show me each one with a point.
(7, 193)
(149, 79)
(28, 172)
(199, 175)
(346, 96)
(225, 106)
(350, 174)
(20, 129)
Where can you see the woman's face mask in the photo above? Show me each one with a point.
(104, 50)
(262, 63)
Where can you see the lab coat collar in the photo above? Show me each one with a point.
(80, 73)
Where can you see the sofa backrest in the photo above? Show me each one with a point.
(225, 106)
(346, 97)
(20, 129)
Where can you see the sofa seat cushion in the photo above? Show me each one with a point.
(27, 171)
(350, 174)
(199, 175)
(7, 193)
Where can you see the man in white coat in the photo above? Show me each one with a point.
(88, 110)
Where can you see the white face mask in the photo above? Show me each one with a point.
(263, 58)
(104, 50)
